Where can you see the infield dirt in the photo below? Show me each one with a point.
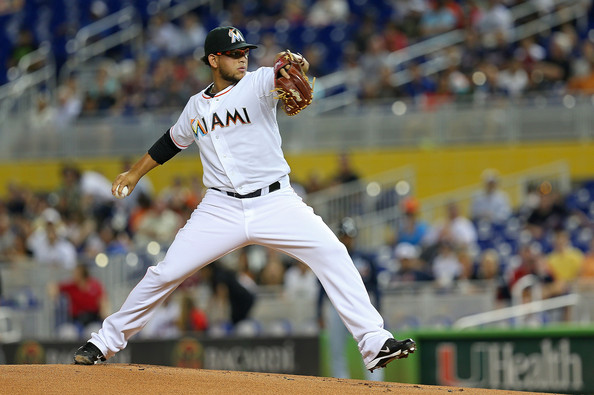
(124, 379)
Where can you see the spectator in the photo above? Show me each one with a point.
(409, 14)
(69, 192)
(245, 275)
(456, 229)
(7, 236)
(555, 69)
(69, 104)
(105, 88)
(273, 271)
(24, 45)
(267, 50)
(586, 276)
(411, 229)
(409, 269)
(192, 318)
(164, 324)
(87, 301)
(48, 246)
(394, 37)
(159, 224)
(192, 34)
(328, 12)
(346, 173)
(582, 82)
(491, 204)
(495, 25)
(550, 213)
(565, 261)
(530, 261)
(529, 53)
(106, 241)
(438, 20)
(177, 194)
(489, 270)
(446, 265)
(419, 85)
(227, 292)
(300, 283)
(373, 63)
(513, 79)
(301, 289)
(164, 38)
(472, 52)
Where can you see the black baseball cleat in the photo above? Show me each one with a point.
(392, 349)
(88, 354)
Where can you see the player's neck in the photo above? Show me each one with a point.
(219, 86)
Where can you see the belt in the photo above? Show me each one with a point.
(275, 186)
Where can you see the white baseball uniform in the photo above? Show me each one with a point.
(240, 148)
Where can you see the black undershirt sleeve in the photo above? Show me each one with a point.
(163, 149)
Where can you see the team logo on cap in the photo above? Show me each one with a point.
(235, 35)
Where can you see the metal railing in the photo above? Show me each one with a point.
(520, 311)
(372, 202)
(529, 120)
(18, 97)
(434, 48)
(88, 43)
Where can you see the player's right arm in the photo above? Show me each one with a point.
(131, 177)
(166, 147)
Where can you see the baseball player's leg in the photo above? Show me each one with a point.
(283, 222)
(214, 229)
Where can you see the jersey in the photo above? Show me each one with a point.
(237, 134)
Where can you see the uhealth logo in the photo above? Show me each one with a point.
(499, 365)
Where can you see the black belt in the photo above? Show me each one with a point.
(275, 186)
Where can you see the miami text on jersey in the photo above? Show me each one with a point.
(199, 125)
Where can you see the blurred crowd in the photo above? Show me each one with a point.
(545, 244)
(355, 37)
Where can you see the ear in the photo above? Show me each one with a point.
(213, 61)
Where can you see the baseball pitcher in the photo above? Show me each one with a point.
(249, 199)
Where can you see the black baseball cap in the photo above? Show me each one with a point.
(222, 39)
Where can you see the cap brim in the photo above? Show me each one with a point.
(241, 46)
(231, 48)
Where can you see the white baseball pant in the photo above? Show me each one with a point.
(279, 220)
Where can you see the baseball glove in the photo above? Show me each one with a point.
(294, 92)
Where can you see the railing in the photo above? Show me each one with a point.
(88, 42)
(504, 121)
(18, 97)
(436, 45)
(372, 202)
(519, 311)
(127, 20)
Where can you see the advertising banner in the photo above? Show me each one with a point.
(290, 355)
(536, 360)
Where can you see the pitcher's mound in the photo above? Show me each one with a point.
(124, 379)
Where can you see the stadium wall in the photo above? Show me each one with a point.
(438, 169)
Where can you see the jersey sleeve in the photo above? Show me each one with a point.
(182, 132)
(264, 84)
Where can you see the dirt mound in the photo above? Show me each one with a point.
(111, 378)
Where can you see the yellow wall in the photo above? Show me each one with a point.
(437, 169)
